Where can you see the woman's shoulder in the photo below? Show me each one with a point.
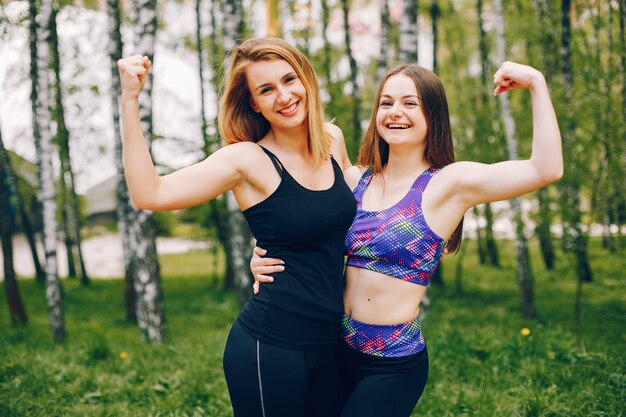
(244, 154)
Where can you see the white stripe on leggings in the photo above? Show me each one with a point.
(258, 368)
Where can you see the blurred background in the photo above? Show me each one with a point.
(552, 259)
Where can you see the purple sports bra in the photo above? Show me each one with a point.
(395, 241)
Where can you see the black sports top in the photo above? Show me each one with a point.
(303, 307)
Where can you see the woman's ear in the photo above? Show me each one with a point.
(254, 106)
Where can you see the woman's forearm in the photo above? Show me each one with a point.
(547, 155)
(141, 176)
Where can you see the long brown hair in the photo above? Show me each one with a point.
(438, 151)
(238, 122)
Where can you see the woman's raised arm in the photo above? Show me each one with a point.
(479, 183)
(187, 187)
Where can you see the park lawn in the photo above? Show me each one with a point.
(481, 364)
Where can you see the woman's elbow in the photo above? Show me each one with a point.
(552, 175)
(143, 203)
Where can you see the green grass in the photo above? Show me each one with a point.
(480, 363)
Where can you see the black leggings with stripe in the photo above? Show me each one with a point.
(268, 381)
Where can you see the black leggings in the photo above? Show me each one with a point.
(268, 381)
(381, 386)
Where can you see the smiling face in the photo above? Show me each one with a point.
(400, 119)
(277, 93)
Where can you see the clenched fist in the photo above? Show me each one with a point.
(512, 76)
(133, 71)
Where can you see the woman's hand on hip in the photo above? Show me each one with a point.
(261, 267)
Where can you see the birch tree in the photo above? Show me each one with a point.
(123, 207)
(437, 278)
(574, 240)
(356, 92)
(44, 151)
(524, 272)
(385, 29)
(486, 125)
(69, 199)
(145, 263)
(200, 55)
(548, 46)
(8, 212)
(408, 31)
(239, 236)
(326, 53)
(32, 42)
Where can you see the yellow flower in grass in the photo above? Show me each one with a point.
(123, 355)
(525, 331)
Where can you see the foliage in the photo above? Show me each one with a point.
(481, 364)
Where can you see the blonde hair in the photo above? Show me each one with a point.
(238, 122)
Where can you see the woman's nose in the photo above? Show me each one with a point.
(284, 94)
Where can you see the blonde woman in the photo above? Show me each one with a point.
(283, 166)
(411, 197)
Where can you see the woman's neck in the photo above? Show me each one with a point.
(404, 163)
(295, 140)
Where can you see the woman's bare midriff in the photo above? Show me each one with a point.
(372, 297)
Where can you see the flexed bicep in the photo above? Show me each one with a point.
(192, 185)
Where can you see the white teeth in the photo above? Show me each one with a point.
(397, 126)
(289, 109)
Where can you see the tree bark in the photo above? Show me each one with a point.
(408, 31)
(490, 249)
(17, 312)
(238, 248)
(145, 262)
(549, 64)
(44, 152)
(356, 93)
(434, 15)
(200, 54)
(385, 29)
(524, 272)
(574, 240)
(41, 275)
(69, 198)
(115, 49)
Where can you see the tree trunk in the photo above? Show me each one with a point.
(45, 150)
(200, 53)
(434, 15)
(574, 240)
(41, 275)
(458, 276)
(385, 29)
(490, 248)
(123, 208)
(543, 229)
(524, 272)
(408, 31)
(480, 243)
(490, 242)
(8, 212)
(356, 93)
(549, 65)
(326, 66)
(145, 263)
(238, 248)
(437, 278)
(621, 183)
(72, 223)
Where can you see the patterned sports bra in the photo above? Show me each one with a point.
(395, 241)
